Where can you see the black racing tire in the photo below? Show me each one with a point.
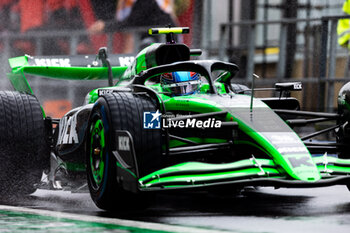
(343, 133)
(119, 111)
(24, 148)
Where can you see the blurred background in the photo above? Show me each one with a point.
(279, 40)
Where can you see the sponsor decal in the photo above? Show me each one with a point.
(296, 149)
(67, 131)
(62, 62)
(102, 92)
(126, 61)
(151, 120)
(123, 143)
(302, 161)
(298, 86)
(278, 139)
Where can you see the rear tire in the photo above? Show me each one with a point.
(24, 149)
(119, 111)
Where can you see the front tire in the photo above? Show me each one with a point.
(119, 111)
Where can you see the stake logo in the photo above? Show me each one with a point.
(151, 120)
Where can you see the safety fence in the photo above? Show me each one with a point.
(319, 63)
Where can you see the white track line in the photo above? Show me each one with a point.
(115, 221)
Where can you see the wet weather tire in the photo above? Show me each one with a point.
(119, 111)
(23, 144)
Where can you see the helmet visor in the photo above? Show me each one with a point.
(183, 88)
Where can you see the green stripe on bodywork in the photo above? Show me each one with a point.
(176, 143)
(77, 167)
(199, 179)
(333, 168)
(72, 73)
(331, 159)
(192, 172)
(330, 164)
(127, 170)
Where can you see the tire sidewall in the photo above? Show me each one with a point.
(101, 194)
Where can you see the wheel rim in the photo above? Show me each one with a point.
(97, 151)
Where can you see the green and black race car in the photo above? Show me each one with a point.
(169, 123)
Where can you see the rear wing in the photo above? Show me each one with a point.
(70, 61)
(76, 67)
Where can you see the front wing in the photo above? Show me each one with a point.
(257, 172)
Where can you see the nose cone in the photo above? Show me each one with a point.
(292, 155)
(301, 167)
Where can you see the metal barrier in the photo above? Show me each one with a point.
(326, 56)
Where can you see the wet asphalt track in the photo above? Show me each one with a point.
(262, 210)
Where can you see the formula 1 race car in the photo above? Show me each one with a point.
(169, 123)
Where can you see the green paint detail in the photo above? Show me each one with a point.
(127, 170)
(220, 87)
(310, 174)
(236, 106)
(11, 221)
(77, 167)
(138, 65)
(330, 164)
(333, 168)
(176, 143)
(92, 96)
(331, 159)
(20, 83)
(72, 73)
(141, 62)
(198, 171)
(192, 179)
(97, 167)
(17, 62)
(42, 110)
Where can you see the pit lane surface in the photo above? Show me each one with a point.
(263, 210)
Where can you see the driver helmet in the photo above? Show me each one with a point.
(181, 82)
